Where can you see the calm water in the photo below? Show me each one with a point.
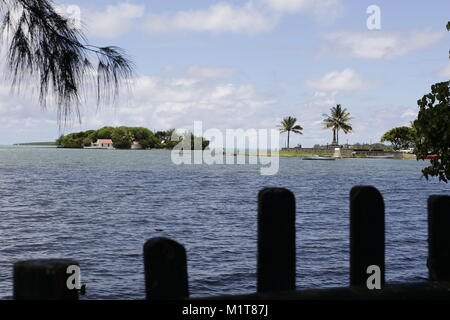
(99, 207)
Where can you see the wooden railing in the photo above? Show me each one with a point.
(165, 261)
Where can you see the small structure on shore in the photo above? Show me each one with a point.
(101, 144)
(337, 153)
(136, 145)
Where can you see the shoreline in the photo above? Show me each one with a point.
(288, 154)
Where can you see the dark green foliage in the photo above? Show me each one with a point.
(146, 138)
(400, 138)
(73, 140)
(433, 131)
(123, 137)
(197, 143)
(151, 142)
(105, 133)
(140, 133)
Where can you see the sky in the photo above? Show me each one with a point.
(247, 64)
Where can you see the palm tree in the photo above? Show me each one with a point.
(41, 44)
(288, 125)
(337, 120)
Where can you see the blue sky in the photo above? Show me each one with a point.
(248, 64)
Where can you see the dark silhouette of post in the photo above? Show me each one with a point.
(165, 268)
(276, 240)
(366, 234)
(44, 279)
(439, 238)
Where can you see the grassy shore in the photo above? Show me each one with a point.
(407, 156)
(297, 154)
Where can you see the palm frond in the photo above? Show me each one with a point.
(297, 129)
(338, 119)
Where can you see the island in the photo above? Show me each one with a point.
(128, 138)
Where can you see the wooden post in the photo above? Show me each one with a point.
(165, 268)
(439, 238)
(44, 279)
(276, 240)
(366, 234)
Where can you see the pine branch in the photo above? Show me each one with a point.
(41, 44)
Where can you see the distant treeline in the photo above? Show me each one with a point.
(36, 144)
(123, 138)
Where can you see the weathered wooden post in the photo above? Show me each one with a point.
(165, 268)
(44, 279)
(366, 234)
(439, 238)
(276, 240)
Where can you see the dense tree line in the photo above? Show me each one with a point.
(123, 138)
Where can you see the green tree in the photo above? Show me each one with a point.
(289, 125)
(338, 120)
(105, 133)
(150, 142)
(44, 45)
(144, 136)
(140, 133)
(122, 138)
(195, 142)
(400, 138)
(73, 140)
(433, 131)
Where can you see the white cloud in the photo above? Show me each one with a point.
(445, 72)
(328, 9)
(115, 21)
(380, 44)
(346, 80)
(409, 114)
(290, 6)
(161, 102)
(19, 113)
(198, 93)
(372, 122)
(219, 18)
(254, 16)
(209, 72)
(157, 102)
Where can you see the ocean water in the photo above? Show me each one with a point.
(99, 207)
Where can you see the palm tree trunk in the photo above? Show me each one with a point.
(334, 137)
(337, 136)
(288, 138)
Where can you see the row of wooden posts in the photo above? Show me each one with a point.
(165, 261)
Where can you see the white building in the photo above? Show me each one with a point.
(102, 144)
